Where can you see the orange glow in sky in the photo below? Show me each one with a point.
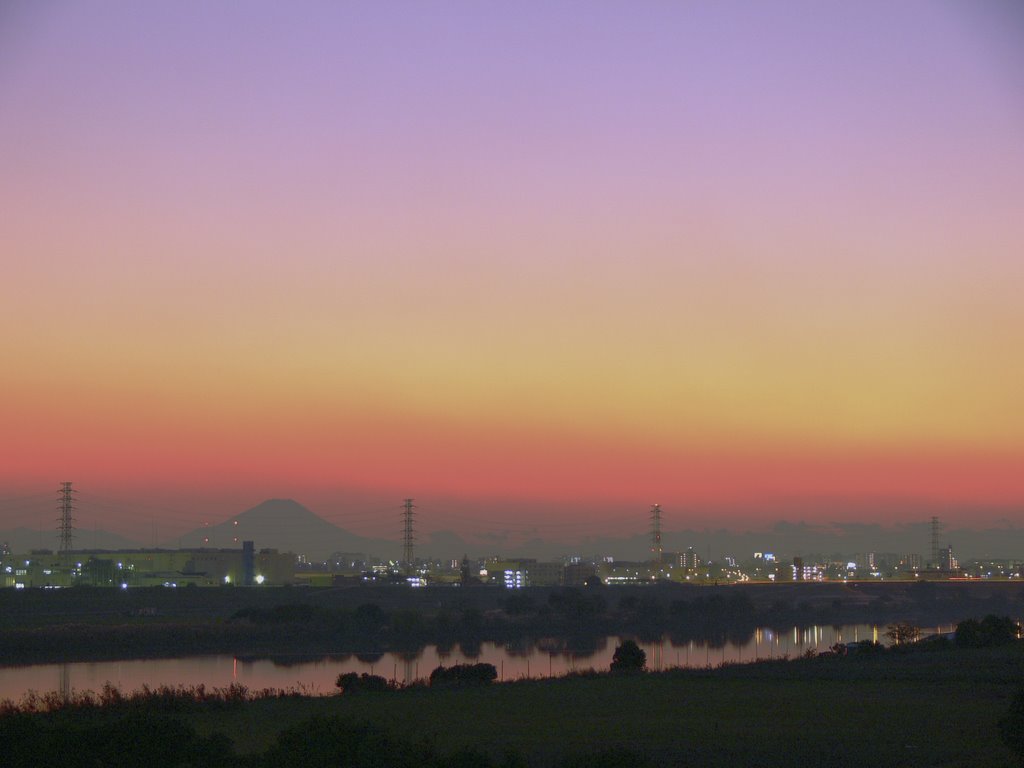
(750, 262)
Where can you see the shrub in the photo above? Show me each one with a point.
(353, 681)
(990, 631)
(464, 674)
(629, 657)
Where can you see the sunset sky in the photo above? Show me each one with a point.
(554, 261)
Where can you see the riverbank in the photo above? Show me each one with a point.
(935, 707)
(86, 624)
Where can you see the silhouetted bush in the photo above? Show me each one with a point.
(868, 647)
(464, 674)
(351, 682)
(629, 657)
(990, 631)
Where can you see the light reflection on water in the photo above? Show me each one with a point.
(316, 676)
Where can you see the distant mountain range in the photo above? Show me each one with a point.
(288, 526)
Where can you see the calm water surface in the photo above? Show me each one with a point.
(317, 676)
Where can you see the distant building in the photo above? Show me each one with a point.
(523, 572)
(516, 579)
(353, 562)
(576, 574)
(947, 561)
(803, 571)
(626, 572)
(149, 567)
(867, 561)
(910, 563)
(688, 560)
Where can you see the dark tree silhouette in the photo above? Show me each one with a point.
(990, 631)
(629, 657)
(464, 674)
(903, 633)
(351, 682)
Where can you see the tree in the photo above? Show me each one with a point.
(1001, 630)
(969, 634)
(990, 631)
(629, 657)
(371, 614)
(902, 633)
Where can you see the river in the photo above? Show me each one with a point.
(317, 676)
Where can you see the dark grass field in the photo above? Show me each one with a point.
(935, 708)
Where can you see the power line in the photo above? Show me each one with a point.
(33, 496)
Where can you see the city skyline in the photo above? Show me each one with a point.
(534, 266)
(288, 526)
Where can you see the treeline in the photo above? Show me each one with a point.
(573, 620)
(714, 616)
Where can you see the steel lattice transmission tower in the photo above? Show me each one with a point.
(407, 536)
(656, 533)
(65, 523)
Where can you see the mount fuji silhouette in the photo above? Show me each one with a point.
(287, 526)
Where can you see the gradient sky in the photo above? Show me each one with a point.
(749, 260)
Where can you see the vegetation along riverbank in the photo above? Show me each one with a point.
(83, 624)
(934, 703)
